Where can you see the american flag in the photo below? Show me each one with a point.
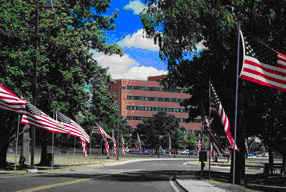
(123, 145)
(114, 146)
(99, 130)
(107, 147)
(170, 145)
(263, 65)
(213, 108)
(35, 117)
(223, 118)
(9, 101)
(139, 141)
(215, 143)
(199, 146)
(246, 146)
(74, 129)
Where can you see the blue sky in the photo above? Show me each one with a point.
(141, 57)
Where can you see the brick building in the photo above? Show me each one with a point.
(139, 100)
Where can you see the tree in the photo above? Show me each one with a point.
(191, 141)
(67, 33)
(154, 132)
(179, 26)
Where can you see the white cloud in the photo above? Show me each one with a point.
(137, 40)
(135, 6)
(126, 68)
(117, 65)
(142, 73)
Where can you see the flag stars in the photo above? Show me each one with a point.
(263, 53)
(33, 110)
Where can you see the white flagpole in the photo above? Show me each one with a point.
(236, 101)
(17, 139)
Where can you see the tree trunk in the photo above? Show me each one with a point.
(44, 151)
(271, 160)
(283, 168)
(3, 149)
(24, 156)
(239, 162)
(6, 131)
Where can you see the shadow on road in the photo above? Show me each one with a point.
(256, 182)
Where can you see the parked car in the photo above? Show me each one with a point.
(185, 152)
(250, 155)
(165, 151)
(146, 150)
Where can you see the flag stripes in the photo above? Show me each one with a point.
(170, 144)
(223, 117)
(74, 129)
(216, 144)
(123, 144)
(9, 101)
(114, 147)
(107, 147)
(262, 64)
(35, 117)
(139, 142)
(99, 130)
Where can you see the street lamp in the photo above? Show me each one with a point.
(46, 5)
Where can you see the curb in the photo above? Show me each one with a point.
(179, 184)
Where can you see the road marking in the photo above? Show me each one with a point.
(54, 185)
(173, 185)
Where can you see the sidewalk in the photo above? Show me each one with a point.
(197, 185)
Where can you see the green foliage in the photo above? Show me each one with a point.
(67, 33)
(180, 25)
(155, 131)
(191, 141)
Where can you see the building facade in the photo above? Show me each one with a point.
(140, 100)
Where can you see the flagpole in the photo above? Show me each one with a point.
(74, 142)
(209, 126)
(17, 138)
(236, 102)
(53, 140)
(101, 148)
(90, 145)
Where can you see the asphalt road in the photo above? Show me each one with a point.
(154, 175)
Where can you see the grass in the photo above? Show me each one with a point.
(61, 163)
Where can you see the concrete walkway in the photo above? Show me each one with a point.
(197, 185)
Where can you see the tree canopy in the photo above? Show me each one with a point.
(154, 132)
(68, 78)
(179, 27)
